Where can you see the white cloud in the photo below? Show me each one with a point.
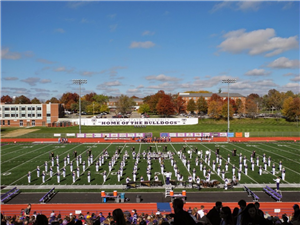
(44, 61)
(62, 69)
(257, 72)
(147, 32)
(257, 42)
(294, 87)
(162, 77)
(237, 6)
(146, 44)
(164, 86)
(284, 63)
(75, 5)
(296, 79)
(113, 27)
(11, 78)
(6, 54)
(59, 30)
(44, 81)
(112, 16)
(248, 5)
(113, 83)
(32, 81)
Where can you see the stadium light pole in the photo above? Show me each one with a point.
(79, 82)
(228, 81)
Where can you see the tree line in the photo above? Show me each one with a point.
(286, 104)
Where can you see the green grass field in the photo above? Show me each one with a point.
(18, 159)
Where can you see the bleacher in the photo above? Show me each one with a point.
(8, 195)
(48, 196)
(251, 194)
(272, 193)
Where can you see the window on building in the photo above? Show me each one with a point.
(28, 115)
(39, 108)
(33, 115)
(3, 122)
(8, 122)
(23, 115)
(48, 114)
(39, 115)
(13, 115)
(6, 115)
(28, 124)
(21, 123)
(32, 108)
(33, 123)
(23, 108)
(29, 108)
(13, 108)
(6, 108)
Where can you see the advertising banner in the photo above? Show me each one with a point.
(137, 121)
(247, 134)
(230, 134)
(238, 134)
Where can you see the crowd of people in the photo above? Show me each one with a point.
(246, 214)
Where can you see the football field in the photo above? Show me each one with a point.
(19, 159)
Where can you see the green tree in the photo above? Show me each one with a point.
(165, 106)
(144, 108)
(239, 107)
(101, 99)
(191, 106)
(251, 108)
(22, 100)
(202, 105)
(214, 109)
(124, 104)
(52, 100)
(291, 108)
(35, 101)
(93, 108)
(225, 110)
(104, 108)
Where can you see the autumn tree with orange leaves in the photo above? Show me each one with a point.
(165, 106)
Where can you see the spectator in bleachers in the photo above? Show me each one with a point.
(41, 220)
(214, 214)
(296, 215)
(181, 217)
(118, 216)
(250, 216)
(242, 203)
(226, 216)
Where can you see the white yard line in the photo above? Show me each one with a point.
(4, 153)
(291, 153)
(272, 153)
(25, 154)
(119, 156)
(180, 159)
(25, 171)
(159, 165)
(232, 164)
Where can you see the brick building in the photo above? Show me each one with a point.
(207, 96)
(30, 115)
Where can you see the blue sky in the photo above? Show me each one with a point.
(138, 48)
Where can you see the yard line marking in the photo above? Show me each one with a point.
(95, 159)
(232, 164)
(8, 148)
(24, 154)
(181, 159)
(159, 165)
(296, 154)
(34, 170)
(119, 156)
(274, 162)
